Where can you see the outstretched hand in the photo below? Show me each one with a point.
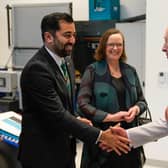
(119, 131)
(113, 140)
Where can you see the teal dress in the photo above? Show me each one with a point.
(100, 94)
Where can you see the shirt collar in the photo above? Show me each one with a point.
(56, 58)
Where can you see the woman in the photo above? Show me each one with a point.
(110, 92)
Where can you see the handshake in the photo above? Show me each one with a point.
(114, 139)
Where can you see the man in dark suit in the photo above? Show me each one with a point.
(49, 124)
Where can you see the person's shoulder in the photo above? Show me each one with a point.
(35, 61)
(128, 66)
(97, 65)
(92, 66)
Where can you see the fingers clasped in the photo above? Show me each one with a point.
(114, 139)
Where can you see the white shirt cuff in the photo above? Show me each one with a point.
(98, 138)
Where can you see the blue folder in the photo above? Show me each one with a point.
(10, 127)
(9, 138)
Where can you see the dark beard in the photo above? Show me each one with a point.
(61, 49)
(61, 53)
(65, 52)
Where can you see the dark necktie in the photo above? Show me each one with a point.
(66, 77)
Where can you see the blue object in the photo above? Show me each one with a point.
(104, 10)
(9, 138)
(10, 142)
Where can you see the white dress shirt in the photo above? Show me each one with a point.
(59, 60)
(148, 132)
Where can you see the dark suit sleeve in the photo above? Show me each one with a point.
(45, 95)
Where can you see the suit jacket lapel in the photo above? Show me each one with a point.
(56, 70)
(58, 73)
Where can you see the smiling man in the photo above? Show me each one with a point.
(49, 124)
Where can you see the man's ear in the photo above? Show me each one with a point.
(48, 37)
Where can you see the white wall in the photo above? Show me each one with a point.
(131, 8)
(156, 62)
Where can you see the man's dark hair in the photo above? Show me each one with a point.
(50, 22)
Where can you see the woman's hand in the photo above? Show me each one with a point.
(85, 120)
(132, 112)
(119, 116)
